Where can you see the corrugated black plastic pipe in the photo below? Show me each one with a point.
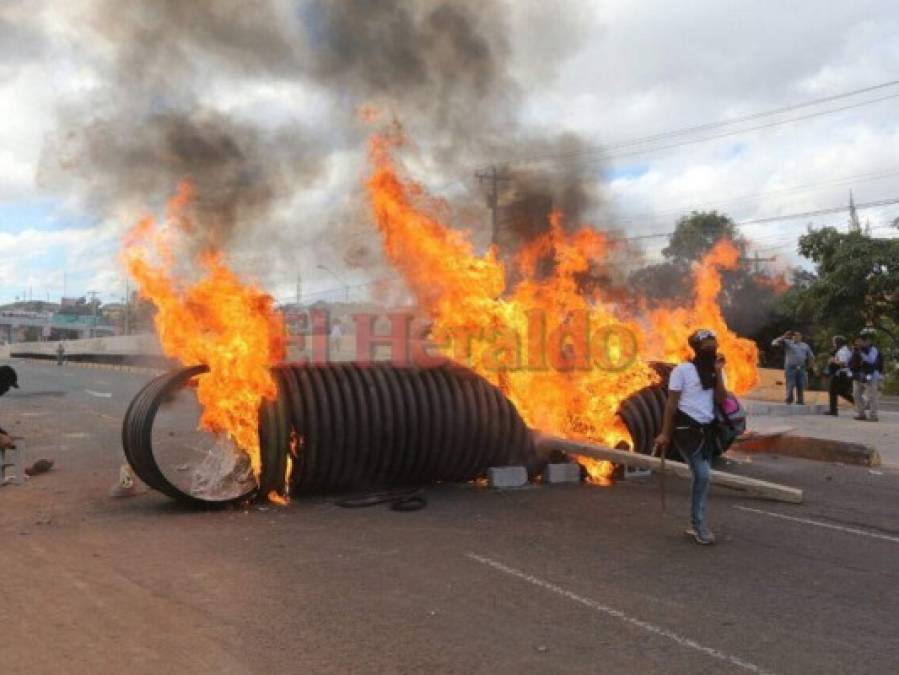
(359, 426)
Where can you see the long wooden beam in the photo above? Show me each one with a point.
(750, 486)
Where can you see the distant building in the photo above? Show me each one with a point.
(30, 322)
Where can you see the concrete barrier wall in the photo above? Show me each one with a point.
(146, 344)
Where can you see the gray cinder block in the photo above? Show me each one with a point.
(507, 476)
(562, 473)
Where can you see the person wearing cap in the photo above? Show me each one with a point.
(694, 389)
(8, 379)
(866, 364)
(797, 355)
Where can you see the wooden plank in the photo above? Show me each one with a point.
(750, 486)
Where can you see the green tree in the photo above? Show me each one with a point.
(694, 235)
(857, 280)
(664, 281)
(698, 232)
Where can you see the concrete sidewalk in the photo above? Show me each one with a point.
(882, 435)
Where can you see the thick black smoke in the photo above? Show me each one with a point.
(147, 125)
(160, 69)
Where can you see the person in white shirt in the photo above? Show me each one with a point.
(336, 336)
(840, 375)
(694, 389)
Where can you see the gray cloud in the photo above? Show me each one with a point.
(259, 84)
(442, 67)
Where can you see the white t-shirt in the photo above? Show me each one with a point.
(842, 357)
(695, 401)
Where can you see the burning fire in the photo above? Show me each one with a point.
(564, 357)
(672, 326)
(777, 282)
(209, 317)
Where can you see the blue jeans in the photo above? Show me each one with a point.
(795, 379)
(702, 471)
(692, 442)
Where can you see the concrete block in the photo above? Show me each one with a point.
(507, 476)
(562, 473)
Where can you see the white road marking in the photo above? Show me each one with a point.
(829, 526)
(99, 394)
(618, 614)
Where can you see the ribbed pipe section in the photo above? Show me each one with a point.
(643, 411)
(137, 427)
(359, 426)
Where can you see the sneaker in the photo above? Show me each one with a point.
(701, 535)
(860, 418)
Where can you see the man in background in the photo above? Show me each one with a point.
(867, 372)
(797, 356)
(840, 374)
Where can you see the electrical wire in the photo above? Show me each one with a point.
(608, 150)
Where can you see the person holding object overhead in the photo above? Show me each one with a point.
(695, 388)
(797, 355)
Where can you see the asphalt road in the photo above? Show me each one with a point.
(539, 580)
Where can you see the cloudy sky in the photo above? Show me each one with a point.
(608, 71)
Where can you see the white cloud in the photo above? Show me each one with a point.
(628, 69)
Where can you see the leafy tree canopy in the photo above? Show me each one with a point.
(857, 280)
(696, 233)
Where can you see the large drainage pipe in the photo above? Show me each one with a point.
(375, 425)
(359, 426)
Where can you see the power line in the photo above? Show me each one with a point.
(795, 242)
(802, 187)
(786, 216)
(600, 156)
(758, 115)
(655, 235)
(717, 125)
(819, 212)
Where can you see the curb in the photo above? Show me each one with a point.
(816, 449)
(86, 364)
(757, 407)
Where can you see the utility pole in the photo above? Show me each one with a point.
(299, 286)
(493, 177)
(755, 260)
(854, 225)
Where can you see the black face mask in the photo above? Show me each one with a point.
(705, 366)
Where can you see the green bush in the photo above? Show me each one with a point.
(891, 383)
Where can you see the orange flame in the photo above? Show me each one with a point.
(531, 339)
(565, 359)
(672, 326)
(777, 282)
(216, 320)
